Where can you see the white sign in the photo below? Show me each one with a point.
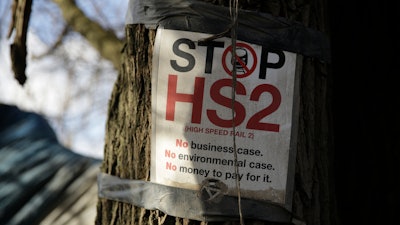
(192, 142)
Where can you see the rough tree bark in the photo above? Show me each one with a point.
(127, 144)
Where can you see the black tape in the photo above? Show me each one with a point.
(187, 203)
(254, 27)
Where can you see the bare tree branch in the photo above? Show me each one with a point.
(104, 41)
(55, 45)
(21, 10)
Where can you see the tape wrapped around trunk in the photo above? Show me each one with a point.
(254, 27)
(186, 203)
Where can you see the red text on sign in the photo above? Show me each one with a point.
(196, 99)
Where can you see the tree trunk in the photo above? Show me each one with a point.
(127, 144)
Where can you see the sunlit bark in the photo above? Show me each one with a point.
(127, 148)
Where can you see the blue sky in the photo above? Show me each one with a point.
(71, 86)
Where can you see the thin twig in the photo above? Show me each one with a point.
(234, 17)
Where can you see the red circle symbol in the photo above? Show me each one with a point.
(241, 61)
